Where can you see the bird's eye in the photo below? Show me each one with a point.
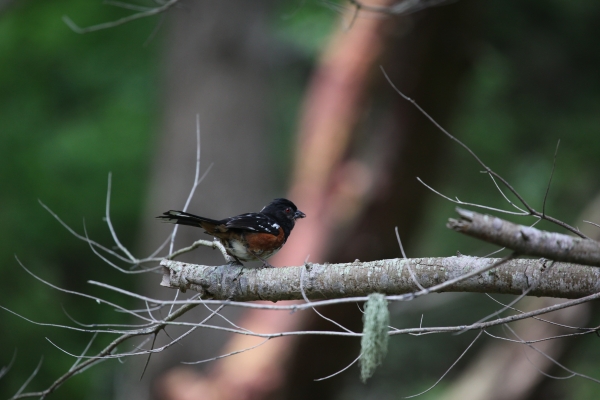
(288, 210)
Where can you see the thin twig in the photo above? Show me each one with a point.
(515, 301)
(457, 201)
(228, 354)
(540, 319)
(149, 355)
(410, 270)
(340, 371)
(87, 296)
(110, 226)
(555, 362)
(448, 370)
(451, 282)
(112, 24)
(4, 370)
(488, 170)
(33, 374)
(106, 260)
(80, 237)
(546, 339)
(102, 355)
(314, 309)
(84, 351)
(593, 223)
(550, 180)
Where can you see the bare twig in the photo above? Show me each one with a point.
(94, 298)
(550, 180)
(448, 370)
(207, 243)
(410, 270)
(340, 371)
(545, 339)
(149, 355)
(110, 226)
(107, 261)
(444, 286)
(112, 24)
(84, 351)
(197, 180)
(228, 354)
(592, 223)
(487, 169)
(105, 353)
(33, 374)
(80, 237)
(526, 291)
(509, 306)
(314, 309)
(457, 201)
(555, 362)
(6, 368)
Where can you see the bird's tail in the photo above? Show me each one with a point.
(183, 218)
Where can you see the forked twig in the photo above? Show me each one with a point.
(487, 169)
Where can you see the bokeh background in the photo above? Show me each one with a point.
(292, 102)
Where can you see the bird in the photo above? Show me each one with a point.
(250, 236)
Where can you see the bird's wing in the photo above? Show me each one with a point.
(254, 222)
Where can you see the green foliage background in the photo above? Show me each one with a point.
(73, 108)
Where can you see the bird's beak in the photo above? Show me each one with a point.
(299, 214)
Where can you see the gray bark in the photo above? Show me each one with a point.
(527, 240)
(391, 277)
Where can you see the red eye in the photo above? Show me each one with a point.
(288, 210)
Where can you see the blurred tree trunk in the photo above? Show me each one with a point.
(216, 65)
(426, 58)
(359, 151)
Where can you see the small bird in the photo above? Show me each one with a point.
(247, 237)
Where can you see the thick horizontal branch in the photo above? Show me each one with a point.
(527, 240)
(391, 277)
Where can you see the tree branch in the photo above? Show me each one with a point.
(527, 240)
(326, 281)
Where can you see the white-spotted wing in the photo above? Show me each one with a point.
(254, 222)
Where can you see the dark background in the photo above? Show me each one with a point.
(75, 107)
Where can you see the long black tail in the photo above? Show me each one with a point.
(183, 218)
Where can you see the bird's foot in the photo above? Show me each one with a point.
(234, 262)
(266, 265)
